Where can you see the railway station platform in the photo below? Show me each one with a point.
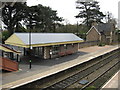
(113, 83)
(43, 68)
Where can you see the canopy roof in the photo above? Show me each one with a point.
(8, 49)
(42, 39)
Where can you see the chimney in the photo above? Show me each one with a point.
(94, 23)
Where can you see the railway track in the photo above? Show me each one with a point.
(95, 74)
(90, 67)
(84, 73)
(101, 77)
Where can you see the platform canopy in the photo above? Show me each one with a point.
(8, 49)
(42, 39)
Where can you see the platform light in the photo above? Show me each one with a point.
(31, 47)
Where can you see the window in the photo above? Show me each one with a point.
(65, 46)
(72, 45)
(55, 49)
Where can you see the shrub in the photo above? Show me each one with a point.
(101, 44)
(91, 88)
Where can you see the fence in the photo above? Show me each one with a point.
(7, 64)
(88, 44)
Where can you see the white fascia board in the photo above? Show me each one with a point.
(95, 29)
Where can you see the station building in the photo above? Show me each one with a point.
(45, 45)
(9, 58)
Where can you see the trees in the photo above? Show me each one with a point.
(89, 11)
(20, 15)
(13, 15)
(42, 18)
(110, 18)
(5, 35)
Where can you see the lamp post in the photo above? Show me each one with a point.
(30, 32)
(30, 66)
(30, 37)
(30, 27)
(77, 29)
(30, 40)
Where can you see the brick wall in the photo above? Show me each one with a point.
(93, 35)
(46, 52)
(69, 49)
(88, 44)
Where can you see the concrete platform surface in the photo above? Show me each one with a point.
(113, 83)
(42, 68)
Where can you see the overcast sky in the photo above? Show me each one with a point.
(67, 8)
